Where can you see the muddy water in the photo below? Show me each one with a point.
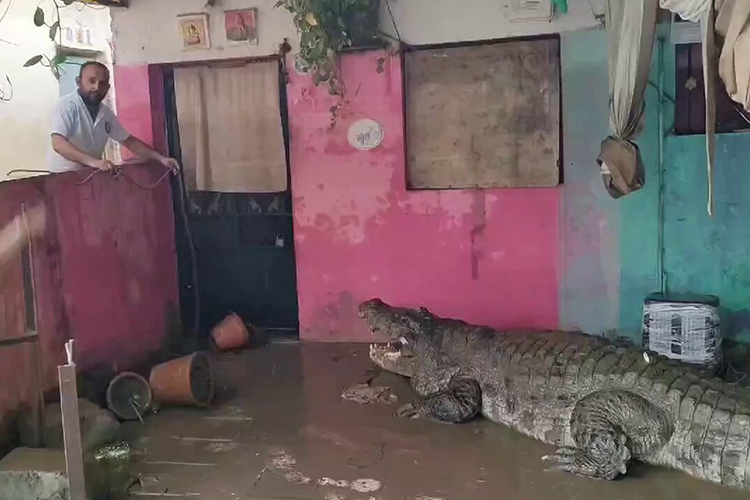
(280, 430)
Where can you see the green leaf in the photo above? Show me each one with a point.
(31, 62)
(39, 17)
(53, 30)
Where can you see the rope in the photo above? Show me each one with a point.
(121, 173)
(117, 173)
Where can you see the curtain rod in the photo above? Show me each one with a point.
(225, 63)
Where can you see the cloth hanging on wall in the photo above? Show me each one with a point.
(631, 27)
(702, 11)
(230, 128)
(729, 21)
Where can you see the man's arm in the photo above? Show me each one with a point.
(144, 151)
(67, 150)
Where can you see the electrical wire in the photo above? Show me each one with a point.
(193, 255)
(80, 6)
(393, 20)
(8, 5)
(740, 111)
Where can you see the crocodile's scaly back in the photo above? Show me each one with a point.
(602, 403)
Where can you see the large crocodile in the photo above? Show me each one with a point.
(600, 403)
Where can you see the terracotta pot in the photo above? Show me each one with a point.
(185, 381)
(230, 334)
(129, 396)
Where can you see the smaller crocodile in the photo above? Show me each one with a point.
(602, 404)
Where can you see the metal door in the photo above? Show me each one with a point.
(244, 248)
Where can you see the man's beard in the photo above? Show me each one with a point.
(91, 99)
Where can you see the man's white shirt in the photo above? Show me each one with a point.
(73, 121)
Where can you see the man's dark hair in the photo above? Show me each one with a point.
(91, 63)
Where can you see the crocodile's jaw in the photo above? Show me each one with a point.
(387, 323)
(393, 359)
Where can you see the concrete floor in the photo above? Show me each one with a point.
(280, 430)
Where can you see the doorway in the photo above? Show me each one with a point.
(243, 259)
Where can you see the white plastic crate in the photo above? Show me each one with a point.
(687, 330)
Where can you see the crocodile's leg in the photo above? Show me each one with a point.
(459, 402)
(609, 428)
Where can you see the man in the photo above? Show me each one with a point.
(82, 124)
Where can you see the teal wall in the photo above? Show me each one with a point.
(589, 282)
(610, 247)
(709, 254)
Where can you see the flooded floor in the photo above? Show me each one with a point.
(280, 430)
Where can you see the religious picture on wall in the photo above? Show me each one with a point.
(194, 31)
(241, 26)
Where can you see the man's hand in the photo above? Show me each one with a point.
(146, 152)
(170, 163)
(104, 165)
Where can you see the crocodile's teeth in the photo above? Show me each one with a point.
(404, 341)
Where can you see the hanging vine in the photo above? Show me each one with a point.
(326, 27)
(55, 35)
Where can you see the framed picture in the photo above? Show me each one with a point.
(241, 26)
(194, 31)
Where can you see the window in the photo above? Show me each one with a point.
(690, 107)
(483, 115)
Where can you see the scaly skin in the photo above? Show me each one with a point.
(602, 404)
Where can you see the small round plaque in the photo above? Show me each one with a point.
(365, 134)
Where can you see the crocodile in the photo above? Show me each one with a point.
(602, 404)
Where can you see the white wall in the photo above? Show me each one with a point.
(443, 21)
(146, 32)
(94, 17)
(24, 120)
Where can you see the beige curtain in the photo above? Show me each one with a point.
(230, 128)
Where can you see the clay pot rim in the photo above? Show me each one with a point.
(134, 375)
(189, 360)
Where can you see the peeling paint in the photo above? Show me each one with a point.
(426, 247)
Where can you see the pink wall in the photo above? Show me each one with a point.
(485, 256)
(106, 276)
(140, 104)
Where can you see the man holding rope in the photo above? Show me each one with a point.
(82, 124)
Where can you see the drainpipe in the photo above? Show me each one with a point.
(662, 274)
